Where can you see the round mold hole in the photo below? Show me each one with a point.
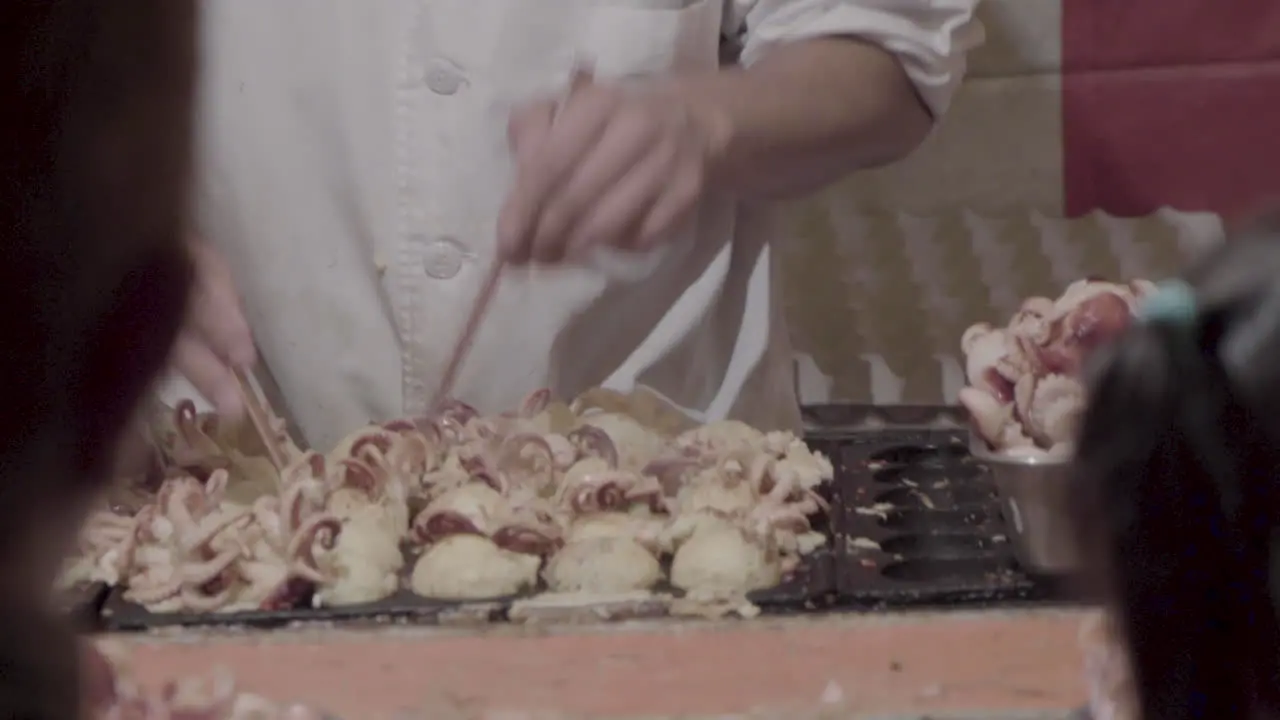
(921, 456)
(938, 496)
(974, 570)
(919, 520)
(928, 475)
(949, 545)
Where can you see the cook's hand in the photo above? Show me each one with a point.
(608, 165)
(215, 339)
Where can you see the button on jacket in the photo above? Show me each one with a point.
(353, 157)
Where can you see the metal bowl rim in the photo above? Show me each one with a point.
(978, 448)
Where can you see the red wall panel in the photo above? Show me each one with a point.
(1127, 33)
(1171, 102)
(1206, 139)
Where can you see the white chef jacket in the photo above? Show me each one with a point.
(352, 157)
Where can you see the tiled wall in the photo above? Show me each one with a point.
(1072, 107)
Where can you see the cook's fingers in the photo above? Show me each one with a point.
(624, 146)
(217, 316)
(526, 133)
(616, 218)
(578, 126)
(674, 206)
(210, 375)
(216, 311)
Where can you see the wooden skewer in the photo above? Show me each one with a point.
(260, 416)
(581, 77)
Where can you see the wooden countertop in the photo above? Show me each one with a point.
(998, 664)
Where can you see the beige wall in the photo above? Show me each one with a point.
(886, 270)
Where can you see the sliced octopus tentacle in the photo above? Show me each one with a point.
(432, 526)
(206, 532)
(542, 465)
(762, 474)
(152, 592)
(535, 403)
(526, 540)
(594, 442)
(376, 438)
(455, 413)
(412, 455)
(199, 573)
(324, 527)
(199, 601)
(310, 466)
(399, 426)
(187, 422)
(480, 471)
(357, 474)
(602, 493)
(671, 472)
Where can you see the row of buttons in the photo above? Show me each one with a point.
(443, 77)
(442, 258)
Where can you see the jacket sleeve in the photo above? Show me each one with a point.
(929, 37)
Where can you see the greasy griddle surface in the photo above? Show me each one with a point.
(918, 522)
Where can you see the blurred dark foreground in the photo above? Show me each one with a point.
(95, 131)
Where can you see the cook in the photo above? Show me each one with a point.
(361, 164)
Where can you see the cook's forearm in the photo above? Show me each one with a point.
(805, 114)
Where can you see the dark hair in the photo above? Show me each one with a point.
(1179, 477)
(95, 134)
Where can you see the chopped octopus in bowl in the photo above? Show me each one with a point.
(591, 497)
(1024, 394)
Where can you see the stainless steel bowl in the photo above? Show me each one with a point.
(1034, 495)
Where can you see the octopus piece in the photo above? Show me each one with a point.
(187, 572)
(592, 486)
(530, 526)
(1050, 407)
(106, 546)
(188, 445)
(634, 445)
(276, 576)
(451, 474)
(798, 465)
(732, 487)
(418, 449)
(196, 553)
(364, 565)
(369, 483)
(528, 532)
(457, 422)
(591, 441)
(468, 508)
(555, 418)
(787, 523)
(674, 472)
(721, 438)
(987, 369)
(528, 460)
(349, 447)
(1087, 315)
(1024, 393)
